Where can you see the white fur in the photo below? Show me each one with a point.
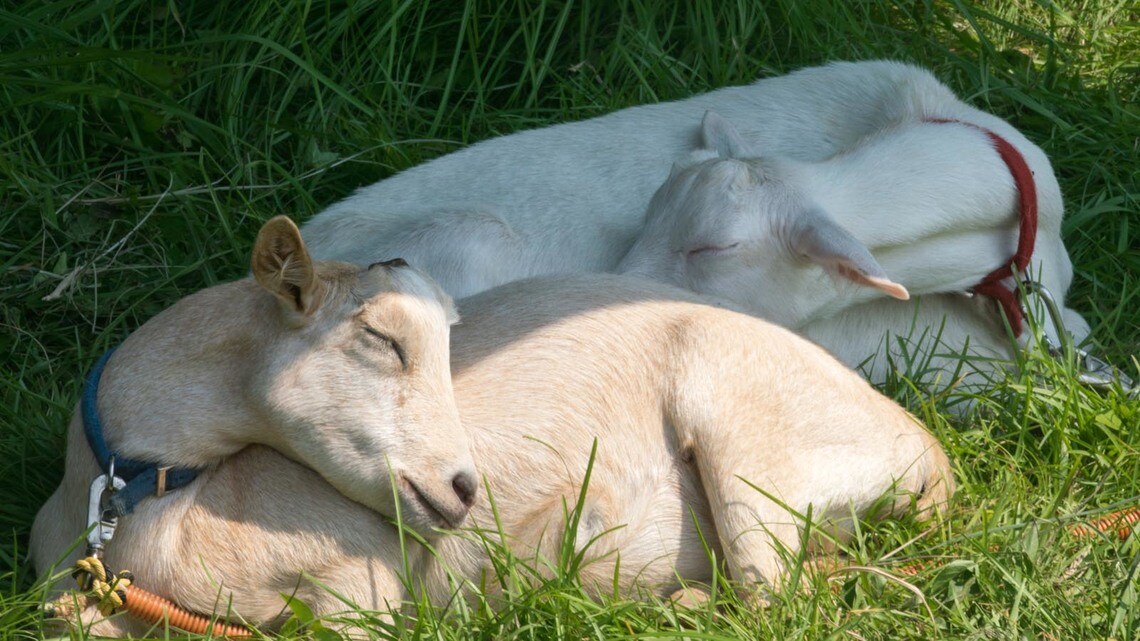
(689, 406)
(929, 204)
(572, 198)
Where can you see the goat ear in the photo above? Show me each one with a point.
(827, 244)
(721, 136)
(282, 265)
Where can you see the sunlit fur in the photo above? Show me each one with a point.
(292, 368)
(706, 421)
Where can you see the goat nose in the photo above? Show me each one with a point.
(465, 487)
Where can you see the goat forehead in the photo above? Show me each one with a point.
(400, 286)
(673, 189)
(717, 193)
(426, 292)
(725, 172)
(723, 181)
(405, 317)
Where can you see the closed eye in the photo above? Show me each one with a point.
(711, 250)
(391, 342)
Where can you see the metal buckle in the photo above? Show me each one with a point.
(160, 481)
(1092, 371)
(100, 523)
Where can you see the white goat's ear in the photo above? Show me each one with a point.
(721, 136)
(281, 264)
(827, 244)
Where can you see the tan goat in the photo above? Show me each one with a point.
(692, 409)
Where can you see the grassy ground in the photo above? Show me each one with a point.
(143, 143)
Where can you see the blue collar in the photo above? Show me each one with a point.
(142, 478)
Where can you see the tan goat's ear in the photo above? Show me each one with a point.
(281, 264)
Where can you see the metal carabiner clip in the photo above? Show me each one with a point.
(100, 523)
(1092, 371)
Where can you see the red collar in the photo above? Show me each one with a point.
(992, 285)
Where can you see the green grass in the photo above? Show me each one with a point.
(144, 143)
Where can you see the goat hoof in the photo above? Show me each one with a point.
(690, 597)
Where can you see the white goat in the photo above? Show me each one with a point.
(931, 203)
(571, 198)
(689, 405)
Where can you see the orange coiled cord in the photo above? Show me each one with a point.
(914, 567)
(1120, 521)
(155, 610)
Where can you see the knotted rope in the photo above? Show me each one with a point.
(112, 591)
(109, 590)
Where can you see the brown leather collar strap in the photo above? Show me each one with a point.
(992, 285)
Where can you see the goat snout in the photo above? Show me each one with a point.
(434, 504)
(466, 487)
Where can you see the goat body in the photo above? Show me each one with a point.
(810, 245)
(691, 407)
(572, 198)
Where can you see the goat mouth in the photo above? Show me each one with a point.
(434, 512)
(702, 251)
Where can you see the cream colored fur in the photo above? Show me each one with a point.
(302, 358)
(689, 405)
